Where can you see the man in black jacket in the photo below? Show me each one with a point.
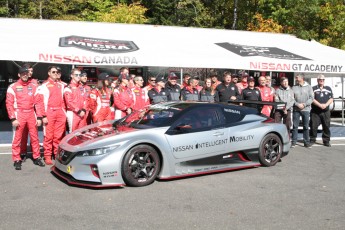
(173, 88)
(227, 91)
(320, 112)
(251, 94)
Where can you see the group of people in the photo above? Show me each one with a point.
(58, 105)
(311, 104)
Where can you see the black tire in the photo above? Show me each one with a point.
(270, 150)
(140, 166)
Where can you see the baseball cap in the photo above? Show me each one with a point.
(103, 76)
(172, 76)
(160, 78)
(23, 70)
(250, 78)
(245, 74)
(321, 76)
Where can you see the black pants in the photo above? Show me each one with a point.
(317, 118)
(279, 115)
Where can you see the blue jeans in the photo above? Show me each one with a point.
(305, 121)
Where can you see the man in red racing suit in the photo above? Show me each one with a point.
(123, 97)
(24, 146)
(21, 103)
(54, 112)
(75, 101)
(140, 96)
(87, 91)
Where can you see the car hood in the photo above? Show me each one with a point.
(94, 132)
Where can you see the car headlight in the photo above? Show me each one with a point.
(97, 152)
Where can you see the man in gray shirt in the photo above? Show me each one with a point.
(304, 97)
(284, 94)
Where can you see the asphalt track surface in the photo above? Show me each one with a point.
(304, 191)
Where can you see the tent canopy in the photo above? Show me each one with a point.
(90, 43)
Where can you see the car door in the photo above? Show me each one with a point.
(198, 132)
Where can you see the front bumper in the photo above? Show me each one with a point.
(72, 181)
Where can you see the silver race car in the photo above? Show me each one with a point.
(170, 140)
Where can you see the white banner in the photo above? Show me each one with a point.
(87, 43)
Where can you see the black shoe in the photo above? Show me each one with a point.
(327, 144)
(307, 145)
(23, 156)
(39, 162)
(17, 165)
(293, 145)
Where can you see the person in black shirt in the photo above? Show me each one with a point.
(190, 93)
(208, 93)
(173, 88)
(159, 93)
(320, 113)
(234, 78)
(251, 94)
(227, 90)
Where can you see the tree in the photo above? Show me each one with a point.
(161, 12)
(193, 13)
(264, 25)
(121, 13)
(4, 8)
(332, 16)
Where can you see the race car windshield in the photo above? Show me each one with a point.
(155, 117)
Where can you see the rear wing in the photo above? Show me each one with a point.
(275, 105)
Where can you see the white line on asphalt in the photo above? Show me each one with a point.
(336, 123)
(5, 153)
(320, 145)
(10, 145)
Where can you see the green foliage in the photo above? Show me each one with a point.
(121, 13)
(161, 12)
(4, 9)
(264, 25)
(332, 16)
(193, 13)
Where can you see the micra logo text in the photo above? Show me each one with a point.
(98, 45)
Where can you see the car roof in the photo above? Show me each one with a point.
(193, 104)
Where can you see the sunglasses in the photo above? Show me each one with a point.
(77, 74)
(153, 80)
(55, 72)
